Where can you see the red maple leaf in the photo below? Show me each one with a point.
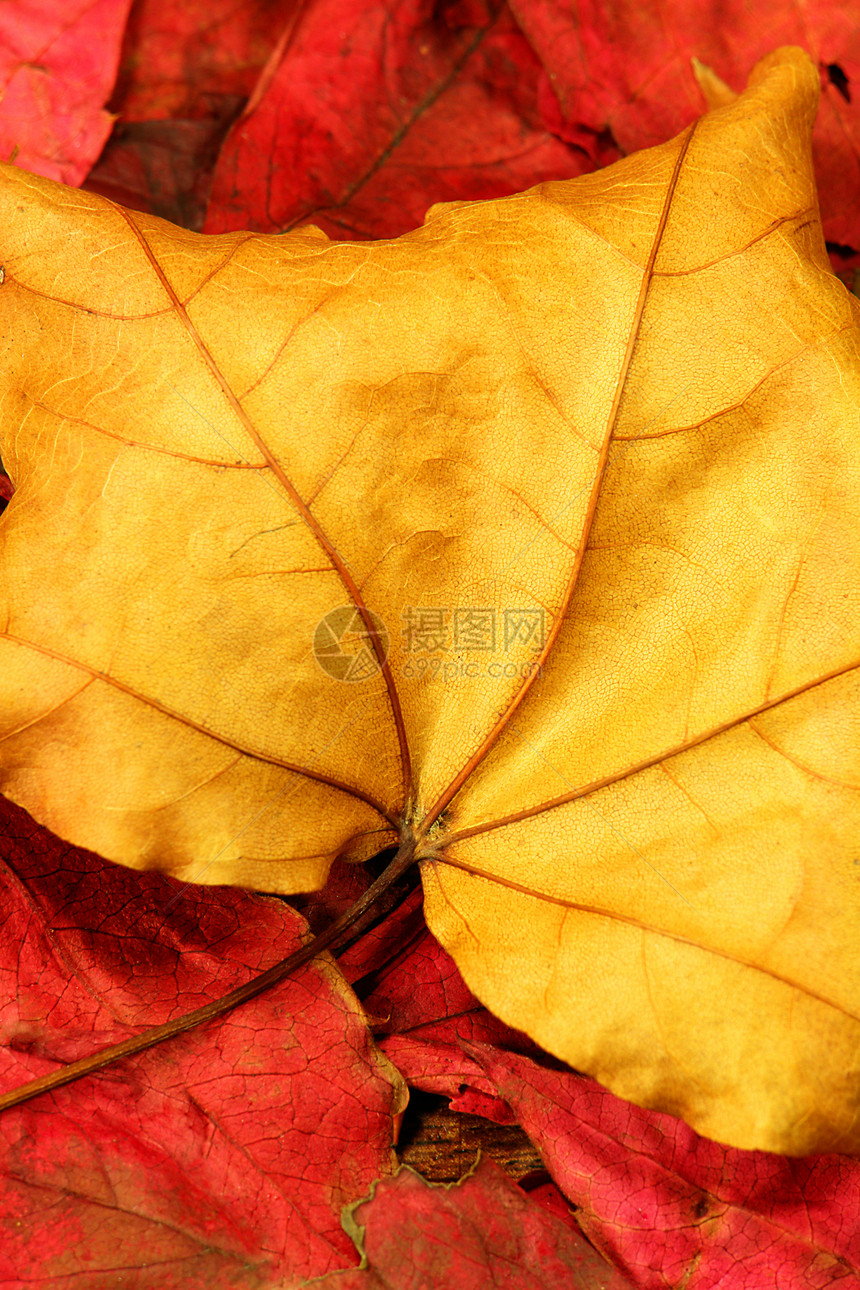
(57, 68)
(376, 111)
(672, 1208)
(484, 1235)
(223, 1158)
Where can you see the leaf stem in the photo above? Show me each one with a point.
(358, 916)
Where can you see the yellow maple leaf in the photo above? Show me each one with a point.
(529, 541)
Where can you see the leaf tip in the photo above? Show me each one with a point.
(715, 91)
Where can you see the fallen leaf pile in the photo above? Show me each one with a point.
(521, 546)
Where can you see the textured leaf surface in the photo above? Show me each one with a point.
(482, 1234)
(376, 111)
(674, 1209)
(220, 1159)
(58, 61)
(569, 409)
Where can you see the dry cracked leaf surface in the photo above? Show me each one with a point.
(615, 418)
